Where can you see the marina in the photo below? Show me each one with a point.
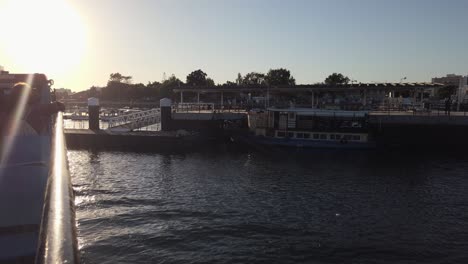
(292, 126)
(232, 132)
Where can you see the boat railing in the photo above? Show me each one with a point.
(58, 238)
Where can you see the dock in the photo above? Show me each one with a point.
(435, 118)
(137, 140)
(420, 130)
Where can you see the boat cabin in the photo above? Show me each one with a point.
(310, 124)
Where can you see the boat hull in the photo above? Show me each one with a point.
(308, 144)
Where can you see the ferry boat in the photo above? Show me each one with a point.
(37, 223)
(310, 128)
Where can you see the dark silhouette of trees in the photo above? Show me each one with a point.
(93, 92)
(229, 84)
(337, 78)
(117, 77)
(117, 87)
(166, 87)
(253, 79)
(120, 87)
(197, 78)
(238, 79)
(279, 77)
(210, 82)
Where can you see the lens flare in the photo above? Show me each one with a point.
(15, 123)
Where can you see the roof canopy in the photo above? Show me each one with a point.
(313, 88)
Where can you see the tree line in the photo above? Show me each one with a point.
(121, 87)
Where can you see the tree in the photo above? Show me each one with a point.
(238, 79)
(166, 87)
(93, 92)
(254, 79)
(173, 82)
(279, 77)
(210, 82)
(229, 84)
(117, 77)
(337, 78)
(196, 78)
(127, 79)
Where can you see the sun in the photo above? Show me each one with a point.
(42, 36)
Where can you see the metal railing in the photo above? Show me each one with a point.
(193, 107)
(423, 109)
(135, 120)
(57, 239)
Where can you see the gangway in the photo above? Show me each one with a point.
(135, 120)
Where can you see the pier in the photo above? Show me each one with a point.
(435, 118)
(183, 126)
(393, 114)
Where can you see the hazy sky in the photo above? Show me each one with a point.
(368, 40)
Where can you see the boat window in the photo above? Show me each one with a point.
(280, 134)
(347, 137)
(338, 136)
(316, 136)
(299, 135)
(356, 137)
(292, 116)
(332, 136)
(306, 135)
(323, 136)
(291, 134)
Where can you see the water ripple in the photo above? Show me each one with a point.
(221, 207)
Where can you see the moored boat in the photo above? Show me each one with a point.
(310, 128)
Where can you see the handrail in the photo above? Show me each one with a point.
(57, 239)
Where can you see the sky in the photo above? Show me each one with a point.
(367, 40)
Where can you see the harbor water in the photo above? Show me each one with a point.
(231, 206)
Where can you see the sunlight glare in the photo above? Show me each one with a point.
(42, 36)
(15, 124)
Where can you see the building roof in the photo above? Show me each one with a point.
(314, 87)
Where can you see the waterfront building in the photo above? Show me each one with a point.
(448, 80)
(462, 93)
(360, 96)
(62, 93)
